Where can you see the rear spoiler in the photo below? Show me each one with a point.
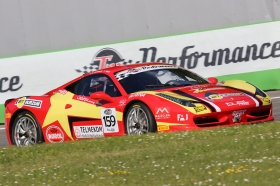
(8, 101)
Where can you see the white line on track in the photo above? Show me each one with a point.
(2, 128)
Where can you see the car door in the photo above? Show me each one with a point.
(81, 117)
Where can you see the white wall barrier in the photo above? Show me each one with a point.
(210, 53)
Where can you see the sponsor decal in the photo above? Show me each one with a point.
(28, 102)
(122, 102)
(133, 70)
(54, 134)
(237, 115)
(63, 92)
(213, 96)
(162, 113)
(85, 99)
(10, 84)
(109, 120)
(20, 102)
(126, 73)
(239, 103)
(216, 88)
(232, 94)
(199, 90)
(200, 108)
(33, 103)
(106, 57)
(266, 100)
(194, 87)
(182, 117)
(107, 111)
(94, 131)
(137, 95)
(189, 57)
(162, 128)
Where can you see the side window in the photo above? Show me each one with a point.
(72, 87)
(95, 83)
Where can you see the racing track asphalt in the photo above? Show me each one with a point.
(275, 95)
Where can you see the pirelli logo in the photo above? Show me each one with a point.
(28, 102)
(200, 108)
(162, 128)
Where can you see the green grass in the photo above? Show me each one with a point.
(2, 113)
(242, 155)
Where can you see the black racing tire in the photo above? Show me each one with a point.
(139, 120)
(26, 130)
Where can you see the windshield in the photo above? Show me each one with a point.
(140, 79)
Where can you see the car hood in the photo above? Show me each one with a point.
(216, 96)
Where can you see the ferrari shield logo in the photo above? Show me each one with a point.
(20, 102)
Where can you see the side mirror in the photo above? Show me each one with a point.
(213, 80)
(101, 96)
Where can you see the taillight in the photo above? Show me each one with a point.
(7, 102)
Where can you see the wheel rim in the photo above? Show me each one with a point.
(25, 132)
(137, 122)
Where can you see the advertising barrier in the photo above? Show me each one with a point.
(249, 52)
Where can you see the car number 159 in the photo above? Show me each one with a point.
(109, 120)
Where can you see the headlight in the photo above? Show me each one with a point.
(258, 92)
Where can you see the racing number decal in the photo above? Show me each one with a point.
(109, 120)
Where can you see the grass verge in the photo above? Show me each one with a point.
(242, 155)
(2, 113)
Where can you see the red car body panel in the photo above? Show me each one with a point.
(64, 116)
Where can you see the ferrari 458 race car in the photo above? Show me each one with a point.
(133, 99)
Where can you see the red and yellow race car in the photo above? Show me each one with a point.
(133, 99)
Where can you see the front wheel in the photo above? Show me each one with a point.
(139, 120)
(26, 130)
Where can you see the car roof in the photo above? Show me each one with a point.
(124, 67)
(110, 70)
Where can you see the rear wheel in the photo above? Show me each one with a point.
(26, 130)
(139, 120)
